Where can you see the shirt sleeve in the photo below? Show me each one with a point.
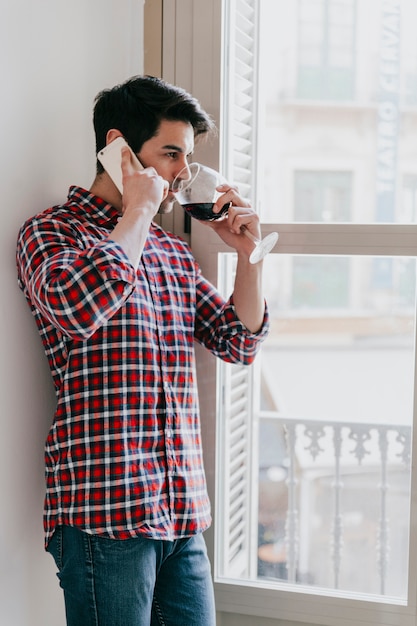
(219, 329)
(76, 288)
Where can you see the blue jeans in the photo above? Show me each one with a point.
(134, 582)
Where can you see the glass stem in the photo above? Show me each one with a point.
(248, 234)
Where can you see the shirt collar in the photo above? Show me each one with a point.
(103, 213)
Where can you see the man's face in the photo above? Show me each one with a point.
(168, 152)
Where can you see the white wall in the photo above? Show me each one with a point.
(55, 55)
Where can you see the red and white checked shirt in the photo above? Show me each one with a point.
(123, 455)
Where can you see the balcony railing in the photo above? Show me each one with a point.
(321, 458)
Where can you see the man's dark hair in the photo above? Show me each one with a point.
(137, 107)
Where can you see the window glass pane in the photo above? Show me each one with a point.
(333, 424)
(338, 92)
(309, 11)
(408, 208)
(322, 196)
(311, 36)
(319, 282)
(333, 26)
(341, 12)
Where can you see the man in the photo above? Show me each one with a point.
(119, 303)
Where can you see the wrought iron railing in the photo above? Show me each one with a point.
(340, 449)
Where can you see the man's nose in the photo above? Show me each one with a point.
(182, 176)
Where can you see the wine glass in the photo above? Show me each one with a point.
(195, 190)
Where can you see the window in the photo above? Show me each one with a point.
(319, 282)
(322, 196)
(309, 466)
(326, 52)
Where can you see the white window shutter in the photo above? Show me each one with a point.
(237, 493)
(235, 482)
(236, 487)
(240, 94)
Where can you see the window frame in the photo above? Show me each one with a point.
(192, 58)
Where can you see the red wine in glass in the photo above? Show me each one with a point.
(203, 211)
(195, 188)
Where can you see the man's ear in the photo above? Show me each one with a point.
(112, 134)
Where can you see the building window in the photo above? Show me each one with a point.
(322, 196)
(320, 282)
(326, 49)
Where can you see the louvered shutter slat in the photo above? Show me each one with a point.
(236, 440)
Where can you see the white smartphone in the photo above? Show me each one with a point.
(111, 159)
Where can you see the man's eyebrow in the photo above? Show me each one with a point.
(176, 148)
(173, 147)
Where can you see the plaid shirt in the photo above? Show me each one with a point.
(123, 455)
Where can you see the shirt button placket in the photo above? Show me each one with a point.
(169, 439)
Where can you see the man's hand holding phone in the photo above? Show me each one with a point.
(142, 191)
(142, 188)
(137, 185)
